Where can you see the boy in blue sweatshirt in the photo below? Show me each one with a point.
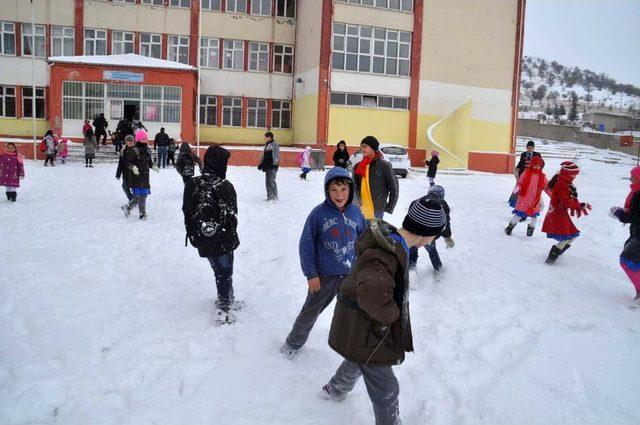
(327, 251)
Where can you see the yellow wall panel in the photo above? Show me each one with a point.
(353, 124)
(490, 137)
(249, 136)
(23, 127)
(305, 119)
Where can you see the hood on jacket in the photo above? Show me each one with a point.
(185, 147)
(215, 161)
(335, 173)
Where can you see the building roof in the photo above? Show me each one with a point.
(130, 60)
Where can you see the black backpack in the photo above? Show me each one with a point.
(212, 224)
(189, 166)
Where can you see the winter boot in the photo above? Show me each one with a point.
(553, 255)
(126, 210)
(8, 196)
(328, 393)
(143, 216)
(530, 230)
(235, 305)
(224, 317)
(288, 351)
(509, 229)
(14, 195)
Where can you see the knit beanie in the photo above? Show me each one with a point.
(129, 138)
(372, 142)
(635, 172)
(141, 135)
(569, 168)
(425, 218)
(435, 153)
(436, 191)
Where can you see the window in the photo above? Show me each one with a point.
(28, 46)
(122, 43)
(72, 100)
(7, 38)
(369, 100)
(280, 114)
(209, 52)
(237, 6)
(208, 110)
(27, 99)
(93, 100)
(154, 2)
(212, 4)
(257, 113)
(261, 7)
(406, 5)
(180, 3)
(178, 49)
(233, 54)
(7, 101)
(286, 8)
(232, 111)
(283, 59)
(125, 1)
(258, 57)
(62, 41)
(151, 45)
(368, 49)
(95, 42)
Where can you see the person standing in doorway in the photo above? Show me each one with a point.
(376, 183)
(269, 163)
(100, 124)
(161, 143)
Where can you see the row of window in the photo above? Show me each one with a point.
(371, 49)
(256, 112)
(8, 102)
(95, 43)
(283, 8)
(406, 5)
(369, 100)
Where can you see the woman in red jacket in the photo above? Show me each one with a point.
(564, 199)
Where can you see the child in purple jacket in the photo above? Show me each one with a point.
(11, 170)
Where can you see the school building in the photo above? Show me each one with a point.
(425, 74)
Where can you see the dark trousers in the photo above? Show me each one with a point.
(382, 386)
(127, 190)
(185, 179)
(433, 256)
(171, 158)
(162, 156)
(49, 159)
(118, 146)
(270, 183)
(102, 134)
(223, 269)
(88, 160)
(315, 304)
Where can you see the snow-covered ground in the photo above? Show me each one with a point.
(108, 320)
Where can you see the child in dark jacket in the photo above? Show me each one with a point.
(630, 213)
(436, 193)
(186, 164)
(341, 155)
(432, 166)
(327, 250)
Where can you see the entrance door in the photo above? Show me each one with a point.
(131, 110)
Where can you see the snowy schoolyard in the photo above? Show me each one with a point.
(109, 320)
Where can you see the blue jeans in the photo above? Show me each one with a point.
(223, 268)
(433, 256)
(163, 152)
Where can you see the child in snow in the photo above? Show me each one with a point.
(120, 171)
(63, 150)
(11, 171)
(432, 165)
(305, 162)
(371, 326)
(90, 146)
(211, 218)
(341, 155)
(186, 163)
(48, 146)
(171, 153)
(528, 199)
(327, 250)
(564, 198)
(630, 213)
(436, 193)
(137, 163)
(86, 126)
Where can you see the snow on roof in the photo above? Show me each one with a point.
(130, 59)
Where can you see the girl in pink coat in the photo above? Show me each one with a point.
(63, 149)
(11, 170)
(529, 190)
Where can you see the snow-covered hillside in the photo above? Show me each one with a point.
(108, 320)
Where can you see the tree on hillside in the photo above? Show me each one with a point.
(551, 78)
(552, 96)
(527, 70)
(543, 66)
(531, 93)
(573, 112)
(526, 85)
(562, 111)
(588, 98)
(557, 68)
(540, 93)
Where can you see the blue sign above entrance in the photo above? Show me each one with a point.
(130, 77)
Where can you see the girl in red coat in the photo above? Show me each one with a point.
(564, 199)
(528, 191)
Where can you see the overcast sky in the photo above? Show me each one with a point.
(601, 35)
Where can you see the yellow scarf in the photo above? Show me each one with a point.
(365, 196)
